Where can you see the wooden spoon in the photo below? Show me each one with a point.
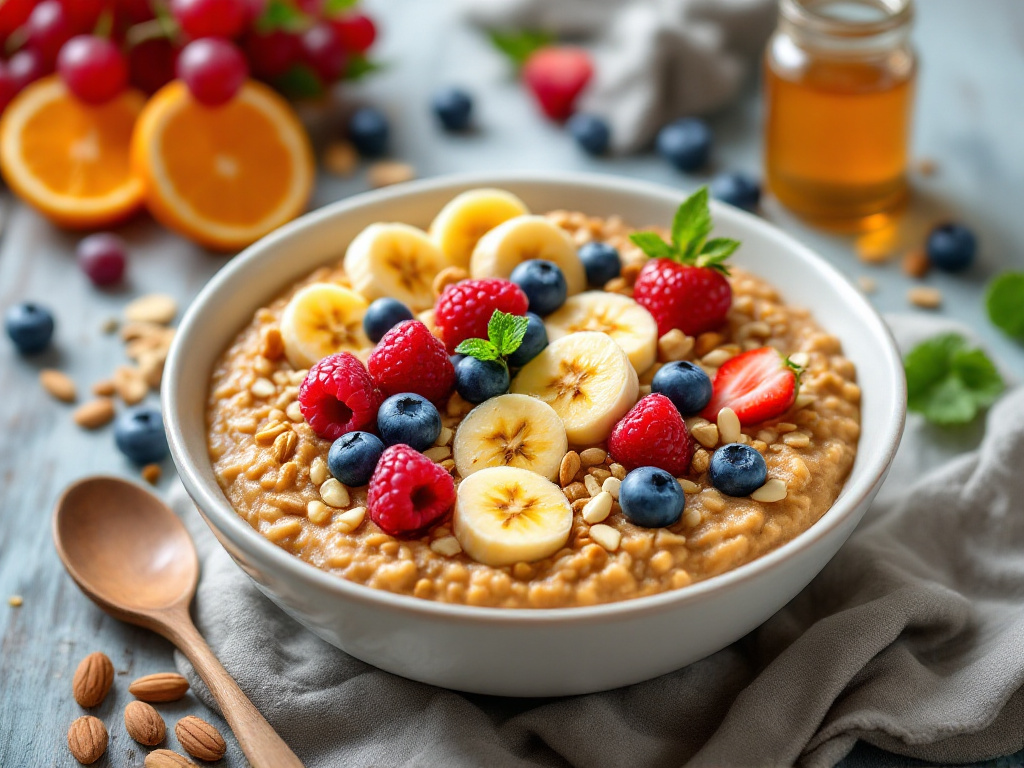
(131, 555)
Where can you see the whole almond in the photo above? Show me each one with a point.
(58, 384)
(165, 758)
(161, 687)
(92, 680)
(144, 723)
(200, 739)
(95, 413)
(569, 467)
(87, 739)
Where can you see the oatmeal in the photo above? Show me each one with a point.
(273, 467)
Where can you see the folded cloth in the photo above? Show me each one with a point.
(654, 60)
(910, 639)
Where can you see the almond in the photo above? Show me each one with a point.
(155, 308)
(58, 384)
(569, 467)
(92, 680)
(104, 388)
(87, 739)
(130, 384)
(163, 686)
(144, 723)
(164, 758)
(95, 413)
(200, 739)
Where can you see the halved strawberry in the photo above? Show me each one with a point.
(758, 385)
(556, 75)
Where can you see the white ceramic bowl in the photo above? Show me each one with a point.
(529, 652)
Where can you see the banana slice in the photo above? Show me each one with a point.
(511, 431)
(468, 217)
(321, 319)
(506, 515)
(632, 326)
(394, 260)
(523, 238)
(587, 379)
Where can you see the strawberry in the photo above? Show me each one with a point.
(556, 75)
(685, 286)
(758, 385)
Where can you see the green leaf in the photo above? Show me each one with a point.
(651, 244)
(359, 67)
(481, 349)
(281, 14)
(1005, 303)
(949, 383)
(692, 224)
(299, 82)
(518, 45)
(506, 331)
(715, 252)
(334, 8)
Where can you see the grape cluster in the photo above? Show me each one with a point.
(100, 47)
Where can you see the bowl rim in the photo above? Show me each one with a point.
(221, 516)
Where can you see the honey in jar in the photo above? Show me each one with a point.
(839, 88)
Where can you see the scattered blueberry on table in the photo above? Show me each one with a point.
(479, 380)
(139, 435)
(951, 247)
(651, 497)
(601, 262)
(453, 108)
(353, 457)
(686, 143)
(685, 384)
(368, 130)
(534, 342)
(30, 326)
(382, 315)
(737, 470)
(591, 133)
(736, 188)
(543, 283)
(409, 418)
(103, 258)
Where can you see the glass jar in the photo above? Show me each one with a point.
(839, 87)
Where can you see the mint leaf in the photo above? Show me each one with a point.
(651, 244)
(506, 331)
(715, 252)
(299, 82)
(333, 8)
(947, 382)
(692, 224)
(358, 66)
(481, 349)
(519, 45)
(280, 14)
(1005, 303)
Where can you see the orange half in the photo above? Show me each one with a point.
(68, 159)
(222, 176)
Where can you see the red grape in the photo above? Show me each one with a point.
(48, 28)
(8, 87)
(254, 9)
(210, 18)
(92, 68)
(26, 66)
(102, 257)
(14, 13)
(129, 12)
(83, 15)
(151, 64)
(314, 8)
(356, 32)
(322, 50)
(270, 54)
(213, 69)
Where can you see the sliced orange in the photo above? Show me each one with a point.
(223, 176)
(68, 159)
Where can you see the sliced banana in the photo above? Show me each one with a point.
(321, 319)
(468, 217)
(587, 379)
(632, 326)
(511, 431)
(506, 515)
(524, 238)
(394, 260)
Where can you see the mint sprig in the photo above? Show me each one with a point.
(519, 45)
(280, 14)
(1005, 303)
(690, 229)
(505, 334)
(948, 382)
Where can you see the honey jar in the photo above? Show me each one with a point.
(839, 90)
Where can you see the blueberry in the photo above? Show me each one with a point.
(951, 247)
(478, 380)
(383, 315)
(591, 133)
(685, 384)
(736, 188)
(737, 469)
(354, 456)
(534, 341)
(543, 283)
(651, 497)
(30, 327)
(455, 359)
(409, 418)
(139, 435)
(368, 130)
(685, 143)
(601, 262)
(454, 108)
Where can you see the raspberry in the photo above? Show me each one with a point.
(463, 310)
(411, 359)
(692, 299)
(408, 492)
(338, 396)
(652, 434)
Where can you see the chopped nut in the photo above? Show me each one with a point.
(716, 357)
(384, 173)
(797, 440)
(340, 158)
(598, 508)
(349, 521)
(103, 388)
(318, 471)
(599, 473)
(916, 263)
(153, 308)
(606, 536)
(568, 468)
(294, 412)
(773, 490)
(688, 486)
(701, 461)
(445, 436)
(705, 433)
(263, 388)
(318, 512)
(591, 457)
(707, 342)
(618, 471)
(15, 601)
(728, 425)
(611, 486)
(269, 433)
(448, 465)
(130, 384)
(94, 414)
(575, 491)
(926, 298)
(438, 453)
(334, 494)
(618, 285)
(593, 487)
(151, 473)
(272, 344)
(674, 345)
(58, 384)
(448, 546)
(803, 400)
(448, 276)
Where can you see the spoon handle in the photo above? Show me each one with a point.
(259, 741)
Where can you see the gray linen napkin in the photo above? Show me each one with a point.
(910, 639)
(654, 60)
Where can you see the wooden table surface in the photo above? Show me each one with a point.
(969, 113)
